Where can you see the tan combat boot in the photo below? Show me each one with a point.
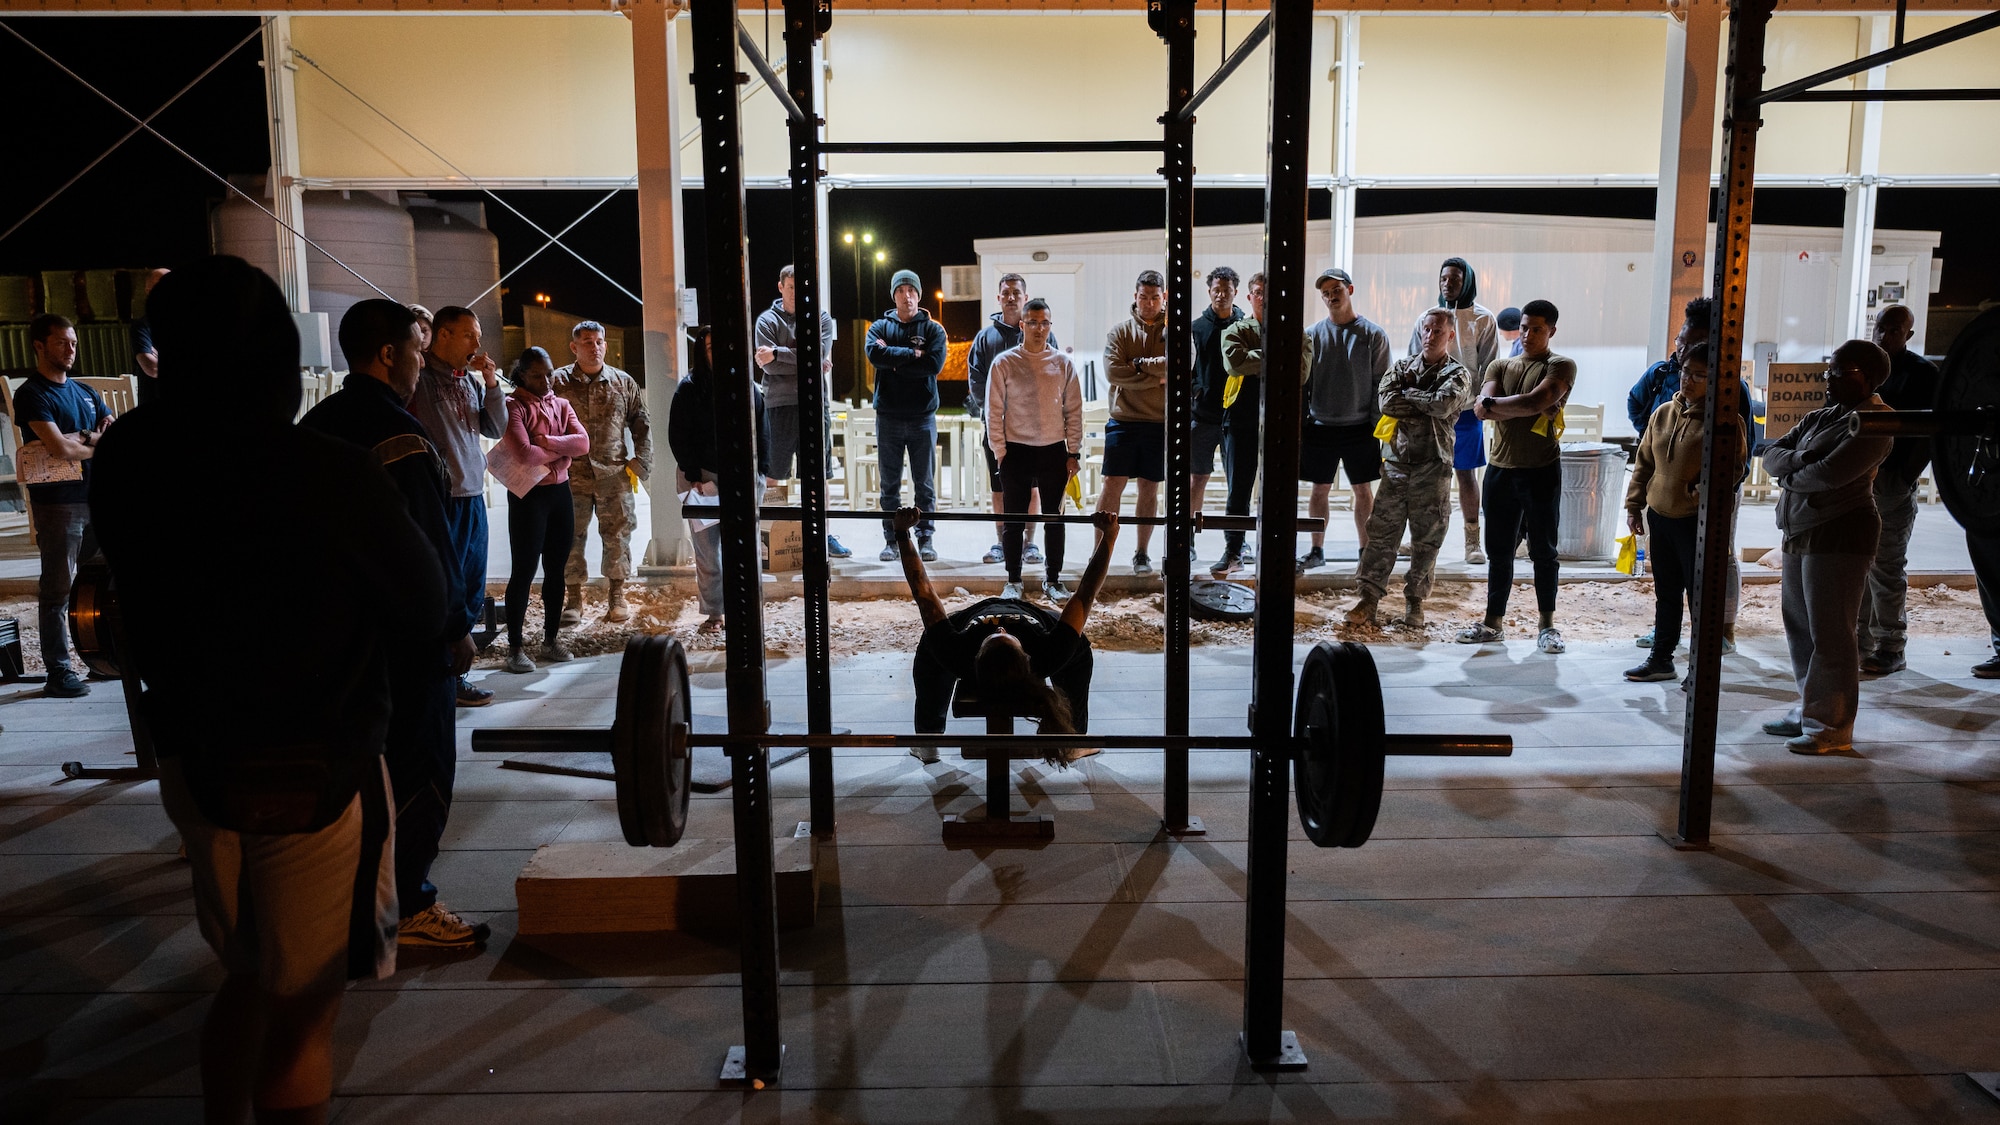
(618, 610)
(1475, 555)
(572, 613)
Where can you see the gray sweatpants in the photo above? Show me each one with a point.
(1883, 624)
(1822, 595)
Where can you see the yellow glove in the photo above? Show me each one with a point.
(632, 479)
(1074, 490)
(1628, 554)
(1549, 427)
(1231, 387)
(1385, 430)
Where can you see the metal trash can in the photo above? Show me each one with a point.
(1593, 500)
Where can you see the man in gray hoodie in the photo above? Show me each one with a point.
(778, 359)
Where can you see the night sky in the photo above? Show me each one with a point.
(146, 205)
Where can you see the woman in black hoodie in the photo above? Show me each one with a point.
(693, 438)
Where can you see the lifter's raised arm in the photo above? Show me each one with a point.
(928, 603)
(1077, 611)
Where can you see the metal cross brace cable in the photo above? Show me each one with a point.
(134, 131)
(446, 161)
(523, 264)
(212, 173)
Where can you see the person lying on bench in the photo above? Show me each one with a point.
(1006, 648)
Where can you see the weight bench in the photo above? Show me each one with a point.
(999, 822)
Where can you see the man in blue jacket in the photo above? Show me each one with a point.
(907, 349)
(1217, 425)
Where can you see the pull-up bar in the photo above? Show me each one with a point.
(882, 148)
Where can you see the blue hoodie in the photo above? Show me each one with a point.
(906, 383)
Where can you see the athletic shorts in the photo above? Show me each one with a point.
(1135, 449)
(1207, 438)
(1325, 450)
(280, 908)
(1468, 442)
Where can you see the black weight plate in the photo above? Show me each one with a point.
(1971, 379)
(1364, 741)
(1222, 601)
(633, 671)
(650, 731)
(1339, 773)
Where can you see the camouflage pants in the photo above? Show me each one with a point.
(1418, 496)
(611, 499)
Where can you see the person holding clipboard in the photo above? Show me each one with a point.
(60, 420)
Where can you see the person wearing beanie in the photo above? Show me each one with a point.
(907, 350)
(1478, 344)
(1508, 321)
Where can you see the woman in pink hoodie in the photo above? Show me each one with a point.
(541, 426)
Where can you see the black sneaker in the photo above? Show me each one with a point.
(1228, 564)
(1141, 565)
(1651, 672)
(1883, 662)
(64, 683)
(1312, 559)
(1988, 669)
(472, 695)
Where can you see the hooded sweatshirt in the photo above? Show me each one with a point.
(321, 510)
(993, 339)
(550, 418)
(905, 382)
(1210, 376)
(1836, 478)
(1666, 468)
(1135, 358)
(778, 331)
(1478, 341)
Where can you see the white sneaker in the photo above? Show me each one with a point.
(517, 661)
(1551, 641)
(1011, 591)
(1055, 591)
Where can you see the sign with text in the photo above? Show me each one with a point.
(1793, 391)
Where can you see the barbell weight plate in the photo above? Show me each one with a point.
(92, 600)
(1222, 601)
(1971, 379)
(649, 736)
(1344, 746)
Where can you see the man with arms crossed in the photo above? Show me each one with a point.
(1135, 440)
(1422, 393)
(1522, 397)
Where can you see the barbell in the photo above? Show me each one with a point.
(1338, 745)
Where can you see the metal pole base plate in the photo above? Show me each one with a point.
(1193, 827)
(77, 771)
(1021, 828)
(735, 1069)
(1289, 1056)
(1682, 844)
(1987, 1081)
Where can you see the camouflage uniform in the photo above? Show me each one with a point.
(608, 403)
(1416, 475)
